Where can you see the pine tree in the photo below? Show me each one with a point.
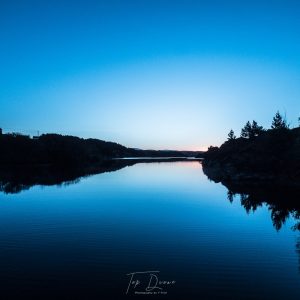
(251, 130)
(255, 129)
(231, 135)
(278, 122)
(245, 132)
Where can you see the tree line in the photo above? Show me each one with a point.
(251, 130)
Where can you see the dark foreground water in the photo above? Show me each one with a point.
(89, 240)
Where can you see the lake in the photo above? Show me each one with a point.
(149, 230)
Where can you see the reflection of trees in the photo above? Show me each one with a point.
(248, 203)
(16, 179)
(230, 196)
(282, 203)
(279, 216)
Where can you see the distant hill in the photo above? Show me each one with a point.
(55, 149)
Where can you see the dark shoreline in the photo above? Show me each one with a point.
(270, 159)
(55, 149)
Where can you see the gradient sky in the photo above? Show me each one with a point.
(148, 74)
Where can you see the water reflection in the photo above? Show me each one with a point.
(19, 178)
(283, 202)
(16, 179)
(80, 242)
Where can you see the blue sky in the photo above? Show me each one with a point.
(148, 74)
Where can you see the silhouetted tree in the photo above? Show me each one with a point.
(256, 129)
(245, 132)
(251, 130)
(231, 135)
(279, 122)
(212, 148)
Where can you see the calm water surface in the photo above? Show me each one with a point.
(81, 241)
